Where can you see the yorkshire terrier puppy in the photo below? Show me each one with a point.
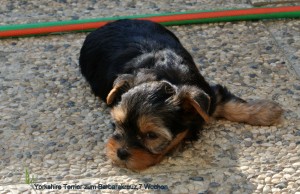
(158, 97)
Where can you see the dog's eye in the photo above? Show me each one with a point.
(151, 135)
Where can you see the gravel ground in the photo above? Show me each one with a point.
(53, 126)
(273, 2)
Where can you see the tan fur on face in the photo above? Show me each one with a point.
(151, 124)
(258, 112)
(140, 159)
(111, 151)
(119, 114)
(148, 124)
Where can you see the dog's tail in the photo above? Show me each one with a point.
(256, 112)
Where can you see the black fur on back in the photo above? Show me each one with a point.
(126, 46)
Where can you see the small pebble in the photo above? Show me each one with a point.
(146, 180)
(51, 162)
(248, 143)
(275, 180)
(266, 189)
(267, 179)
(297, 87)
(199, 178)
(214, 184)
(51, 144)
(289, 170)
(281, 185)
(75, 172)
(19, 156)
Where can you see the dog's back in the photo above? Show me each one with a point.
(107, 51)
(109, 48)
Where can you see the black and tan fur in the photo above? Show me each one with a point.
(158, 97)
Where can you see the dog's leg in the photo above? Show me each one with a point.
(256, 112)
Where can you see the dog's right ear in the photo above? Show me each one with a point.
(121, 85)
(194, 100)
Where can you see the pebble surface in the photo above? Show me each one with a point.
(273, 2)
(52, 125)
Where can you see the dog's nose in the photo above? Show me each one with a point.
(122, 154)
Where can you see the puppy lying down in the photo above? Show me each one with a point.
(158, 97)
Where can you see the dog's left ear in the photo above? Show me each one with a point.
(122, 84)
(193, 99)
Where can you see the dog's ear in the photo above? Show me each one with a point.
(122, 84)
(194, 100)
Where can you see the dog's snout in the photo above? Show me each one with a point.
(122, 154)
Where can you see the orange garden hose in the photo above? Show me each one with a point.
(175, 18)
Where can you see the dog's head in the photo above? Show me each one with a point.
(151, 119)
